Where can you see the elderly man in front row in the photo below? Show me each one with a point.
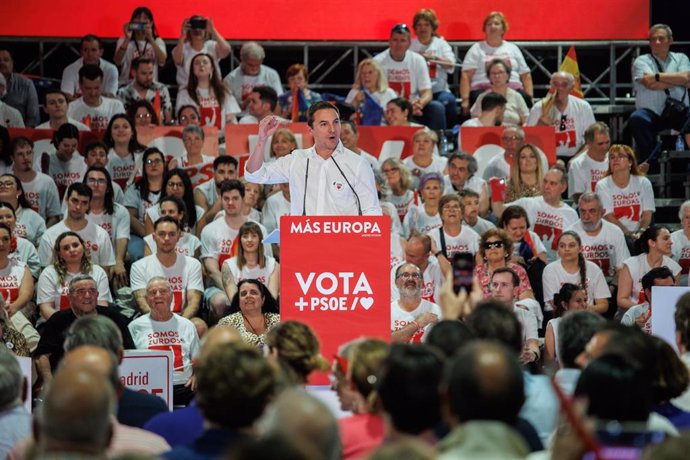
(161, 329)
(83, 295)
(326, 179)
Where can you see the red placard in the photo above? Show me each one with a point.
(543, 137)
(335, 277)
(371, 138)
(356, 20)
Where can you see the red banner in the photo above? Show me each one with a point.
(325, 283)
(356, 20)
(543, 137)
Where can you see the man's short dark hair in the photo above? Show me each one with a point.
(267, 94)
(81, 188)
(142, 60)
(91, 38)
(166, 219)
(492, 100)
(682, 317)
(54, 91)
(494, 393)
(322, 105)
(513, 274)
(229, 185)
(90, 72)
(491, 320)
(408, 387)
(448, 336)
(656, 273)
(574, 332)
(351, 124)
(96, 330)
(224, 160)
(20, 141)
(229, 401)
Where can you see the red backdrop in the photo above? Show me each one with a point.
(353, 20)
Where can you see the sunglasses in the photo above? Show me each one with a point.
(493, 244)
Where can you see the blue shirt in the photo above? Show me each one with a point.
(654, 99)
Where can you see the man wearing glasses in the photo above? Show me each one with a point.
(656, 76)
(569, 115)
(83, 295)
(408, 75)
(411, 316)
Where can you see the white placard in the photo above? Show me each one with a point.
(26, 365)
(664, 300)
(149, 371)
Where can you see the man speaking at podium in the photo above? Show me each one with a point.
(326, 179)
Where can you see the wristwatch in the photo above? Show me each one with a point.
(656, 76)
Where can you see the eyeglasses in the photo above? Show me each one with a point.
(408, 275)
(189, 118)
(175, 184)
(92, 181)
(563, 127)
(85, 291)
(7, 184)
(155, 161)
(493, 244)
(511, 138)
(143, 115)
(560, 84)
(453, 207)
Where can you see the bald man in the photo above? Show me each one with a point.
(484, 391)
(126, 439)
(185, 425)
(76, 416)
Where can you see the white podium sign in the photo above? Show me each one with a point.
(664, 300)
(149, 371)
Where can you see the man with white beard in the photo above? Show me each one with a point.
(602, 242)
(411, 316)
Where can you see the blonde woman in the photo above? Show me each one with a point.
(370, 80)
(526, 174)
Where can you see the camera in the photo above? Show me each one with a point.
(135, 26)
(199, 24)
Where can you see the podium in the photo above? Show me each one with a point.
(335, 277)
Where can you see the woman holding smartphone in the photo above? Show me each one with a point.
(140, 39)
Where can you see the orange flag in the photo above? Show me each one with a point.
(569, 65)
(157, 105)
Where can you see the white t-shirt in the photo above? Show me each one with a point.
(218, 241)
(70, 77)
(433, 280)
(10, 117)
(210, 110)
(381, 97)
(274, 208)
(634, 312)
(438, 165)
(136, 49)
(11, 279)
(407, 77)
(134, 200)
(95, 238)
(397, 253)
(122, 168)
(607, 249)
(186, 245)
(496, 167)
(474, 183)
(481, 53)
(183, 275)
(681, 253)
(466, 241)
(209, 47)
(42, 194)
(117, 224)
(401, 318)
(584, 173)
(200, 172)
(627, 204)
(418, 219)
(65, 174)
(437, 73)
(72, 121)
(48, 290)
(546, 221)
(528, 321)
(30, 225)
(242, 85)
(403, 203)
(516, 108)
(96, 118)
(178, 335)
(569, 125)
(26, 252)
(555, 276)
(639, 266)
(262, 274)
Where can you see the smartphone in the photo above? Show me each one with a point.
(463, 271)
(623, 442)
(199, 24)
(133, 26)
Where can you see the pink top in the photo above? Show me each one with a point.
(360, 434)
(484, 277)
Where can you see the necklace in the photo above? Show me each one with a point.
(251, 326)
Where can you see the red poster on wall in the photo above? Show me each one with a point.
(335, 277)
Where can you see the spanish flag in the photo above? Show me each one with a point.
(569, 65)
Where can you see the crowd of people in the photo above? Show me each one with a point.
(119, 245)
